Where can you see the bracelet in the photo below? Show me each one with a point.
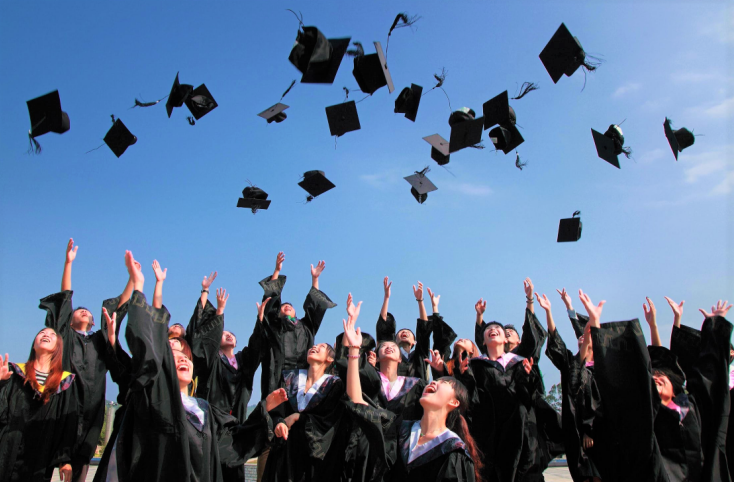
(530, 300)
(353, 356)
(355, 346)
(205, 291)
(419, 300)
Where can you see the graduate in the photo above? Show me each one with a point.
(438, 447)
(86, 355)
(166, 434)
(38, 413)
(412, 362)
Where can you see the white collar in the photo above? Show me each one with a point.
(82, 332)
(391, 392)
(304, 396)
(190, 405)
(405, 353)
(418, 450)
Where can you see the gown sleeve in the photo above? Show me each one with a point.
(457, 468)
(479, 336)
(109, 355)
(533, 337)
(59, 309)
(385, 328)
(443, 337)
(380, 428)
(272, 289)
(557, 352)
(147, 337)
(685, 343)
(314, 309)
(239, 443)
(422, 348)
(204, 332)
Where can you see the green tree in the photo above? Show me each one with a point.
(553, 397)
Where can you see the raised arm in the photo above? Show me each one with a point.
(205, 284)
(354, 338)
(160, 277)
(594, 311)
(316, 272)
(316, 304)
(480, 307)
(278, 265)
(386, 300)
(70, 257)
(650, 317)
(545, 303)
(418, 293)
(528, 286)
(677, 314)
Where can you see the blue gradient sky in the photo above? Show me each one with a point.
(656, 227)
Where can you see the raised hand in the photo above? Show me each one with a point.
(261, 309)
(566, 299)
(208, 280)
(352, 310)
(677, 310)
(281, 431)
(353, 337)
(71, 251)
(111, 325)
(434, 300)
(160, 274)
(279, 261)
(222, 298)
(480, 306)
(387, 284)
(372, 358)
(528, 286)
(275, 398)
(316, 272)
(134, 270)
(544, 302)
(4, 368)
(650, 312)
(594, 311)
(436, 360)
(418, 292)
(527, 365)
(719, 310)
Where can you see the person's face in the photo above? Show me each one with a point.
(319, 354)
(45, 341)
(184, 367)
(176, 330)
(465, 345)
(228, 340)
(495, 335)
(389, 351)
(175, 344)
(665, 388)
(81, 319)
(512, 337)
(405, 336)
(439, 394)
(287, 310)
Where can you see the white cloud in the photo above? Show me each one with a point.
(694, 77)
(721, 29)
(725, 186)
(652, 156)
(721, 110)
(626, 89)
(467, 188)
(708, 163)
(381, 180)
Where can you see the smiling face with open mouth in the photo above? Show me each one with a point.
(665, 388)
(438, 394)
(286, 309)
(184, 367)
(405, 336)
(388, 351)
(228, 340)
(45, 341)
(494, 334)
(82, 319)
(320, 353)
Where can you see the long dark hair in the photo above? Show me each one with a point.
(456, 422)
(55, 369)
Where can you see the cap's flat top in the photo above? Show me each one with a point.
(605, 148)
(671, 138)
(45, 113)
(253, 203)
(441, 144)
(421, 183)
(558, 54)
(385, 70)
(343, 118)
(496, 110)
(273, 111)
(568, 230)
(515, 140)
(119, 138)
(316, 184)
(325, 72)
(466, 134)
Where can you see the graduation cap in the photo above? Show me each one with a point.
(179, 93)
(610, 144)
(421, 185)
(564, 55)
(119, 138)
(315, 183)
(200, 102)
(274, 113)
(439, 149)
(506, 138)
(408, 101)
(663, 358)
(569, 229)
(678, 139)
(497, 111)
(317, 57)
(343, 118)
(253, 198)
(371, 71)
(46, 116)
(466, 131)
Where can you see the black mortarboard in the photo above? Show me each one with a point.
(317, 57)
(569, 229)
(200, 102)
(663, 358)
(610, 144)
(343, 118)
(253, 198)
(179, 94)
(371, 71)
(563, 54)
(678, 139)
(506, 138)
(510, 327)
(315, 183)
(421, 185)
(46, 115)
(119, 138)
(408, 101)
(466, 131)
(274, 113)
(497, 110)
(439, 149)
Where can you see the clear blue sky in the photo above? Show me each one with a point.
(656, 227)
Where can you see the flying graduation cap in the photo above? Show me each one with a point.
(46, 116)
(408, 101)
(678, 139)
(179, 93)
(275, 113)
(466, 131)
(421, 185)
(497, 111)
(119, 138)
(253, 198)
(315, 184)
(343, 118)
(439, 149)
(317, 57)
(611, 144)
(569, 229)
(564, 55)
(370, 71)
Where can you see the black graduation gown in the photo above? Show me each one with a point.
(443, 337)
(222, 385)
(704, 357)
(680, 439)
(285, 345)
(390, 434)
(87, 357)
(581, 408)
(414, 364)
(499, 410)
(623, 374)
(33, 435)
(315, 447)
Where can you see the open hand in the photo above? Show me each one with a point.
(480, 306)
(527, 365)
(650, 313)
(111, 325)
(436, 360)
(566, 299)
(279, 261)
(222, 298)
(544, 302)
(208, 280)
(594, 311)
(316, 272)
(275, 398)
(387, 284)
(352, 309)
(160, 275)
(418, 293)
(434, 300)
(4, 368)
(528, 286)
(719, 310)
(261, 309)
(352, 335)
(71, 251)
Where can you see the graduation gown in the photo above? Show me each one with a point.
(623, 373)
(285, 344)
(679, 438)
(581, 410)
(414, 364)
(443, 337)
(390, 434)
(704, 358)
(87, 357)
(33, 435)
(315, 447)
(222, 385)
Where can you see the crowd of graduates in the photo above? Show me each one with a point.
(402, 405)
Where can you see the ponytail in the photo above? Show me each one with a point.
(456, 422)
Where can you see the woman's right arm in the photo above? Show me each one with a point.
(354, 338)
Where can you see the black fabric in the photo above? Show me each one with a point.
(680, 439)
(414, 365)
(443, 337)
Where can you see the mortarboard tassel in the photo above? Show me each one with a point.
(518, 163)
(440, 79)
(406, 22)
(33, 145)
(356, 52)
(300, 18)
(192, 121)
(113, 118)
(525, 89)
(139, 103)
(288, 89)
